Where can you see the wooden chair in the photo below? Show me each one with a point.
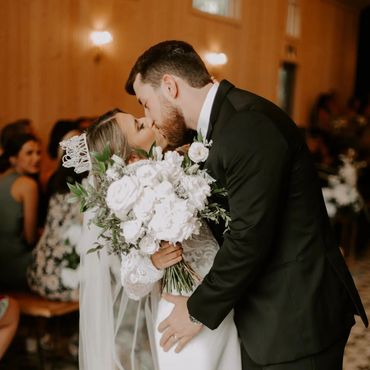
(40, 308)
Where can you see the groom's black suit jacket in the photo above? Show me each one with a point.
(279, 267)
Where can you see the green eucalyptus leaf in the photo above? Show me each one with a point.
(141, 153)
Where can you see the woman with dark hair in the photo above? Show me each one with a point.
(55, 259)
(21, 126)
(19, 195)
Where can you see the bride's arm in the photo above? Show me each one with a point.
(140, 272)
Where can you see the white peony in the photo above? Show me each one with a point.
(131, 230)
(163, 190)
(147, 175)
(143, 208)
(198, 152)
(172, 221)
(197, 189)
(173, 159)
(122, 195)
(170, 168)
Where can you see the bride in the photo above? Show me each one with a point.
(102, 299)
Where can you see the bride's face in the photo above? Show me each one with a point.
(138, 131)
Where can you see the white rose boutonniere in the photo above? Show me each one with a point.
(198, 152)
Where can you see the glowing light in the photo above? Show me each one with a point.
(100, 37)
(216, 59)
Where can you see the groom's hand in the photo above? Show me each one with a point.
(177, 329)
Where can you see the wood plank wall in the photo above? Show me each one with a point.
(48, 69)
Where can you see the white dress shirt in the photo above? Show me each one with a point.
(205, 113)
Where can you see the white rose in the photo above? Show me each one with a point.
(143, 208)
(122, 194)
(70, 278)
(163, 190)
(131, 230)
(198, 152)
(148, 245)
(147, 175)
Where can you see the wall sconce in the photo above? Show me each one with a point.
(215, 61)
(98, 39)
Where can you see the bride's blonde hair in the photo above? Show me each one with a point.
(106, 132)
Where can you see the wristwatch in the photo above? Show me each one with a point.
(194, 320)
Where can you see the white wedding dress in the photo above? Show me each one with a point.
(217, 349)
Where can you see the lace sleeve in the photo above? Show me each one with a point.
(200, 250)
(138, 274)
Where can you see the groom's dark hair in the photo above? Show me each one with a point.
(174, 57)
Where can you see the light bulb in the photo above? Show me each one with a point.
(216, 59)
(100, 37)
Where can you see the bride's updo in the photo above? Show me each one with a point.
(106, 132)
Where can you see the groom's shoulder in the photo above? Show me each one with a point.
(242, 99)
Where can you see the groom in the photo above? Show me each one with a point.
(279, 267)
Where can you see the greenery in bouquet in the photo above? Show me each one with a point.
(162, 197)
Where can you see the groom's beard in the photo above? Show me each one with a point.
(173, 126)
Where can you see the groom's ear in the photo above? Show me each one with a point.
(169, 87)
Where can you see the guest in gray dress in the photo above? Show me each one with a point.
(19, 161)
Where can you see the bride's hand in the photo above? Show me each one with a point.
(167, 255)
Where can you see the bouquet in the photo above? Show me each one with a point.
(160, 198)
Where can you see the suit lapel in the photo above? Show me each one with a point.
(224, 88)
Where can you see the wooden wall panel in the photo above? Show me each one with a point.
(327, 49)
(47, 67)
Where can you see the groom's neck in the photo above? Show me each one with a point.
(193, 100)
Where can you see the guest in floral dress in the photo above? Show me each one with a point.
(53, 272)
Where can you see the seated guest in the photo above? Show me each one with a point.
(19, 204)
(60, 128)
(21, 126)
(53, 272)
(324, 112)
(9, 317)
